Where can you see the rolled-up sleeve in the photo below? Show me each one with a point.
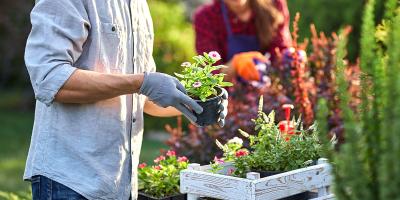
(59, 31)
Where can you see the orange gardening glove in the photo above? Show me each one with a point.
(245, 67)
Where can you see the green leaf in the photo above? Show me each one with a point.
(226, 84)
(179, 75)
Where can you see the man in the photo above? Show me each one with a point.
(92, 71)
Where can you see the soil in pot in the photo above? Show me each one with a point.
(210, 113)
(144, 196)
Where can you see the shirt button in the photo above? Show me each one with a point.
(133, 120)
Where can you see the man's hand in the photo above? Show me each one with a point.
(245, 67)
(223, 108)
(165, 90)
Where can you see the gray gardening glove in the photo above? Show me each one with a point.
(165, 90)
(223, 108)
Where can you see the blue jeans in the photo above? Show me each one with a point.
(46, 189)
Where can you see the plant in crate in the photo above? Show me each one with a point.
(274, 148)
(204, 86)
(161, 181)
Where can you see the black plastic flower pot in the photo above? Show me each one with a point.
(144, 196)
(210, 113)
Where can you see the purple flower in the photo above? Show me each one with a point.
(214, 55)
(197, 84)
(218, 160)
(186, 64)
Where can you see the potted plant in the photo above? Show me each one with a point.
(275, 149)
(161, 181)
(204, 84)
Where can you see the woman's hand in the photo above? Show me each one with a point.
(245, 67)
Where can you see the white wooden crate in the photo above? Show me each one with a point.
(197, 182)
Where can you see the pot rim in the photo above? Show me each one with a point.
(213, 98)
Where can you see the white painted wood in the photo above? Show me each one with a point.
(327, 197)
(192, 197)
(194, 166)
(201, 182)
(322, 161)
(253, 175)
(323, 191)
(215, 185)
(293, 182)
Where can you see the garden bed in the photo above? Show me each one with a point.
(197, 181)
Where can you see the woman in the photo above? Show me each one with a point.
(242, 30)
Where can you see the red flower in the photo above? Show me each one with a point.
(182, 159)
(241, 152)
(160, 158)
(143, 165)
(171, 153)
(158, 167)
(286, 127)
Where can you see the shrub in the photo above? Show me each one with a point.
(367, 165)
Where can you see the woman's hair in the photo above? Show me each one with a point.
(267, 20)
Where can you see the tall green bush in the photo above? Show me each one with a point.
(367, 166)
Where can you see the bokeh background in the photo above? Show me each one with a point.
(174, 43)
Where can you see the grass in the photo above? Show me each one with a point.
(15, 134)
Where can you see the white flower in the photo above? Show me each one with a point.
(186, 64)
(214, 55)
(235, 140)
(197, 84)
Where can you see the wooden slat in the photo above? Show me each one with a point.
(215, 185)
(200, 182)
(293, 182)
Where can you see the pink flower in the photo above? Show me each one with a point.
(230, 172)
(143, 165)
(186, 64)
(182, 159)
(241, 152)
(214, 55)
(197, 84)
(218, 160)
(158, 167)
(171, 153)
(160, 158)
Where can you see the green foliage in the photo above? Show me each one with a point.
(198, 78)
(14, 196)
(272, 149)
(162, 180)
(367, 165)
(174, 36)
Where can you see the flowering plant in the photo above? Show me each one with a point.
(198, 77)
(277, 147)
(162, 179)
